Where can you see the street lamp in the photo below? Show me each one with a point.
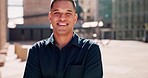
(100, 24)
(91, 25)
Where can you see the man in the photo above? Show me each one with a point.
(64, 54)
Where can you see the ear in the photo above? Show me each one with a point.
(49, 16)
(76, 17)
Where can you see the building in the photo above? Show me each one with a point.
(105, 15)
(105, 12)
(36, 22)
(3, 22)
(98, 10)
(129, 19)
(36, 12)
(88, 11)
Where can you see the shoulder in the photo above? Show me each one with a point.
(39, 44)
(91, 48)
(88, 43)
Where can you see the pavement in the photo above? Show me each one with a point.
(125, 59)
(121, 59)
(13, 67)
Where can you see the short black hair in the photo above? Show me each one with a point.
(73, 3)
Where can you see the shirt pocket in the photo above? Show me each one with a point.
(74, 71)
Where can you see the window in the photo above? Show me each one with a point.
(137, 6)
(82, 2)
(132, 21)
(88, 10)
(132, 6)
(126, 7)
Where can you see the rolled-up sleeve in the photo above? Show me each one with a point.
(93, 64)
(32, 69)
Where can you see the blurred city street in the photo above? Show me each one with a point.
(121, 59)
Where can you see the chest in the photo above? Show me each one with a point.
(64, 63)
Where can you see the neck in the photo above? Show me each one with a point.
(62, 41)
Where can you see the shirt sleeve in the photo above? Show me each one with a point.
(93, 65)
(32, 69)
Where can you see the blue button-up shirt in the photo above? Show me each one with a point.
(80, 58)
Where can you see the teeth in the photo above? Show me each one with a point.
(62, 23)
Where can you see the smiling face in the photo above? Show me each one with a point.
(63, 17)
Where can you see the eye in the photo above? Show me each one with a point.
(68, 14)
(56, 13)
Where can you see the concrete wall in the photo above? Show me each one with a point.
(3, 22)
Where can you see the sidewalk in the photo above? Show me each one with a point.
(13, 67)
(125, 59)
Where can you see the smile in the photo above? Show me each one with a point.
(62, 24)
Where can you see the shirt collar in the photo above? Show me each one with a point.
(75, 40)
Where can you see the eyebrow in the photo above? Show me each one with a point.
(67, 10)
(55, 10)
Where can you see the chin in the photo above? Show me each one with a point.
(62, 32)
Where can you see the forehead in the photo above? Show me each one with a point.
(64, 5)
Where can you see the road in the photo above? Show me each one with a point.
(121, 59)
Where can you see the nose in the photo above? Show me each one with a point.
(62, 17)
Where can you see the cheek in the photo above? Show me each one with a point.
(75, 19)
(53, 19)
